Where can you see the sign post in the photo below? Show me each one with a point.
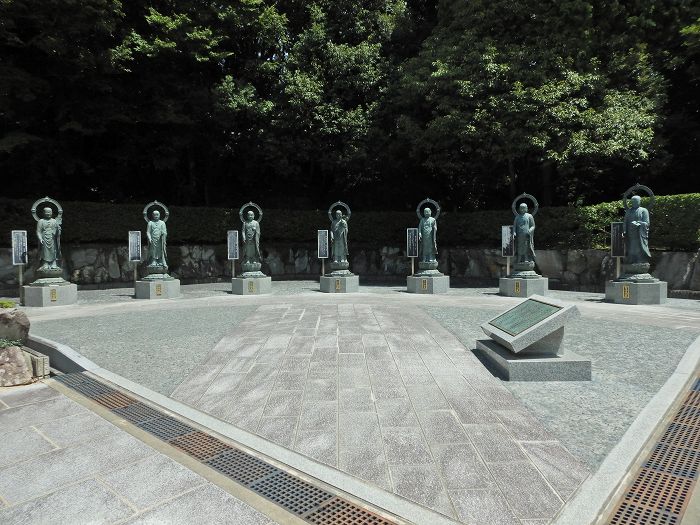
(20, 257)
(617, 244)
(412, 247)
(507, 245)
(233, 254)
(322, 249)
(135, 251)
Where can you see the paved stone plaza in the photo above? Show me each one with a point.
(381, 385)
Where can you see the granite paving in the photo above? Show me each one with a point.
(62, 464)
(388, 395)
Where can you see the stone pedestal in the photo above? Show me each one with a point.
(566, 366)
(157, 288)
(55, 294)
(428, 283)
(512, 286)
(633, 292)
(251, 285)
(342, 283)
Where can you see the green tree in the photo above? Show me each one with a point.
(505, 93)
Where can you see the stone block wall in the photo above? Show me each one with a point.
(585, 270)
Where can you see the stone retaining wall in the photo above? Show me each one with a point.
(585, 270)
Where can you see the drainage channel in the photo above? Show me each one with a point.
(662, 487)
(309, 502)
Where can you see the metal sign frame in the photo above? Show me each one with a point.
(322, 246)
(232, 246)
(20, 255)
(135, 246)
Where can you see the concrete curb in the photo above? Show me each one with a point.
(68, 360)
(594, 494)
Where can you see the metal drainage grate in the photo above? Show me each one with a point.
(137, 412)
(662, 487)
(85, 385)
(113, 400)
(674, 460)
(200, 445)
(166, 428)
(241, 467)
(309, 502)
(340, 512)
(292, 493)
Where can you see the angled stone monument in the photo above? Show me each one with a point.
(428, 280)
(49, 288)
(636, 285)
(252, 281)
(157, 283)
(341, 279)
(523, 281)
(526, 343)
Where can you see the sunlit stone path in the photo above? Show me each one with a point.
(385, 393)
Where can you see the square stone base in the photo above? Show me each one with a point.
(518, 367)
(623, 292)
(160, 289)
(428, 284)
(513, 287)
(251, 285)
(58, 295)
(340, 284)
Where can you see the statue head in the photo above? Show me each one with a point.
(250, 216)
(48, 213)
(155, 215)
(338, 214)
(522, 209)
(427, 212)
(636, 201)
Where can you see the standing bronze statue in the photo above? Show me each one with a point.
(156, 214)
(524, 237)
(635, 231)
(251, 258)
(339, 238)
(48, 232)
(427, 237)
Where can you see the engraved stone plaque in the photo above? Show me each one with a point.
(135, 246)
(526, 315)
(19, 247)
(232, 241)
(411, 242)
(617, 241)
(323, 244)
(507, 244)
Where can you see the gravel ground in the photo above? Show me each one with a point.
(630, 363)
(157, 349)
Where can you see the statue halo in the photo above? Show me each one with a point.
(59, 209)
(156, 204)
(536, 205)
(342, 205)
(422, 203)
(635, 189)
(250, 204)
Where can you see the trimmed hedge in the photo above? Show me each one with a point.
(675, 224)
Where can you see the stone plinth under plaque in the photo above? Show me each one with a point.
(636, 292)
(50, 294)
(251, 285)
(157, 288)
(526, 343)
(349, 283)
(427, 283)
(513, 286)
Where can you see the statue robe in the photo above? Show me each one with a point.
(157, 246)
(636, 237)
(339, 238)
(251, 241)
(49, 231)
(524, 229)
(427, 240)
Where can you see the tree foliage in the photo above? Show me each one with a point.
(377, 102)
